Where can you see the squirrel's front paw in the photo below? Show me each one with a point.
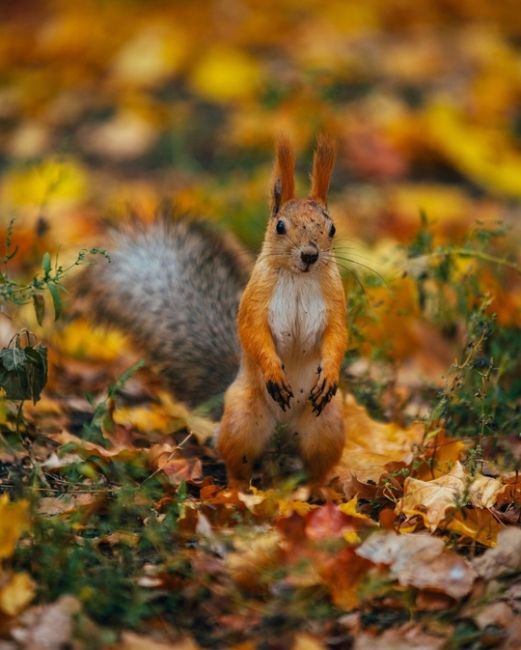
(324, 389)
(279, 390)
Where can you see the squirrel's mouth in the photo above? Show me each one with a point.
(304, 268)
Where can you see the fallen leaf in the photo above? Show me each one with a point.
(82, 340)
(484, 155)
(14, 520)
(419, 560)
(66, 504)
(169, 459)
(433, 500)
(253, 558)
(499, 614)
(87, 448)
(328, 522)
(133, 641)
(477, 524)
(16, 592)
(343, 573)
(504, 558)
(150, 56)
(126, 136)
(47, 627)
(412, 638)
(226, 75)
(307, 642)
(371, 445)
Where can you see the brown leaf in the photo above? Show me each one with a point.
(499, 614)
(84, 447)
(504, 558)
(47, 627)
(412, 638)
(168, 459)
(420, 561)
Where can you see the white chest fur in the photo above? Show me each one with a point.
(297, 313)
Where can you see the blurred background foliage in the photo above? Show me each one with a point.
(109, 107)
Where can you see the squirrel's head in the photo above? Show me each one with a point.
(300, 231)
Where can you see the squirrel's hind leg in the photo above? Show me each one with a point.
(245, 428)
(321, 438)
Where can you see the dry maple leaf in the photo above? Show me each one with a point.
(371, 445)
(420, 561)
(433, 500)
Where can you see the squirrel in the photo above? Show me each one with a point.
(274, 338)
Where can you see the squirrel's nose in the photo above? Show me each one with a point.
(309, 255)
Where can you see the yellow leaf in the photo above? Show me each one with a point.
(16, 594)
(370, 444)
(446, 452)
(350, 508)
(14, 520)
(51, 182)
(202, 428)
(151, 56)
(82, 340)
(226, 75)
(477, 524)
(289, 506)
(484, 154)
(143, 418)
(351, 537)
(307, 642)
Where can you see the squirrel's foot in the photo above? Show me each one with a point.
(323, 391)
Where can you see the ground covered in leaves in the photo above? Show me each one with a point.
(116, 527)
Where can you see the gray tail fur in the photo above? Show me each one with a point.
(174, 289)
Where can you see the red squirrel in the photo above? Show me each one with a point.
(276, 341)
(292, 331)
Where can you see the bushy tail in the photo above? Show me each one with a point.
(174, 289)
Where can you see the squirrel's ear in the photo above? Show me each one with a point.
(323, 162)
(283, 176)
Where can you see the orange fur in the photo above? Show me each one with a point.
(311, 365)
(284, 173)
(323, 162)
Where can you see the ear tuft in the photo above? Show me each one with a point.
(284, 175)
(323, 162)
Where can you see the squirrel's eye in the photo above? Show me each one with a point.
(332, 230)
(280, 228)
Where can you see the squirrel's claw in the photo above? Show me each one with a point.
(280, 393)
(321, 394)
